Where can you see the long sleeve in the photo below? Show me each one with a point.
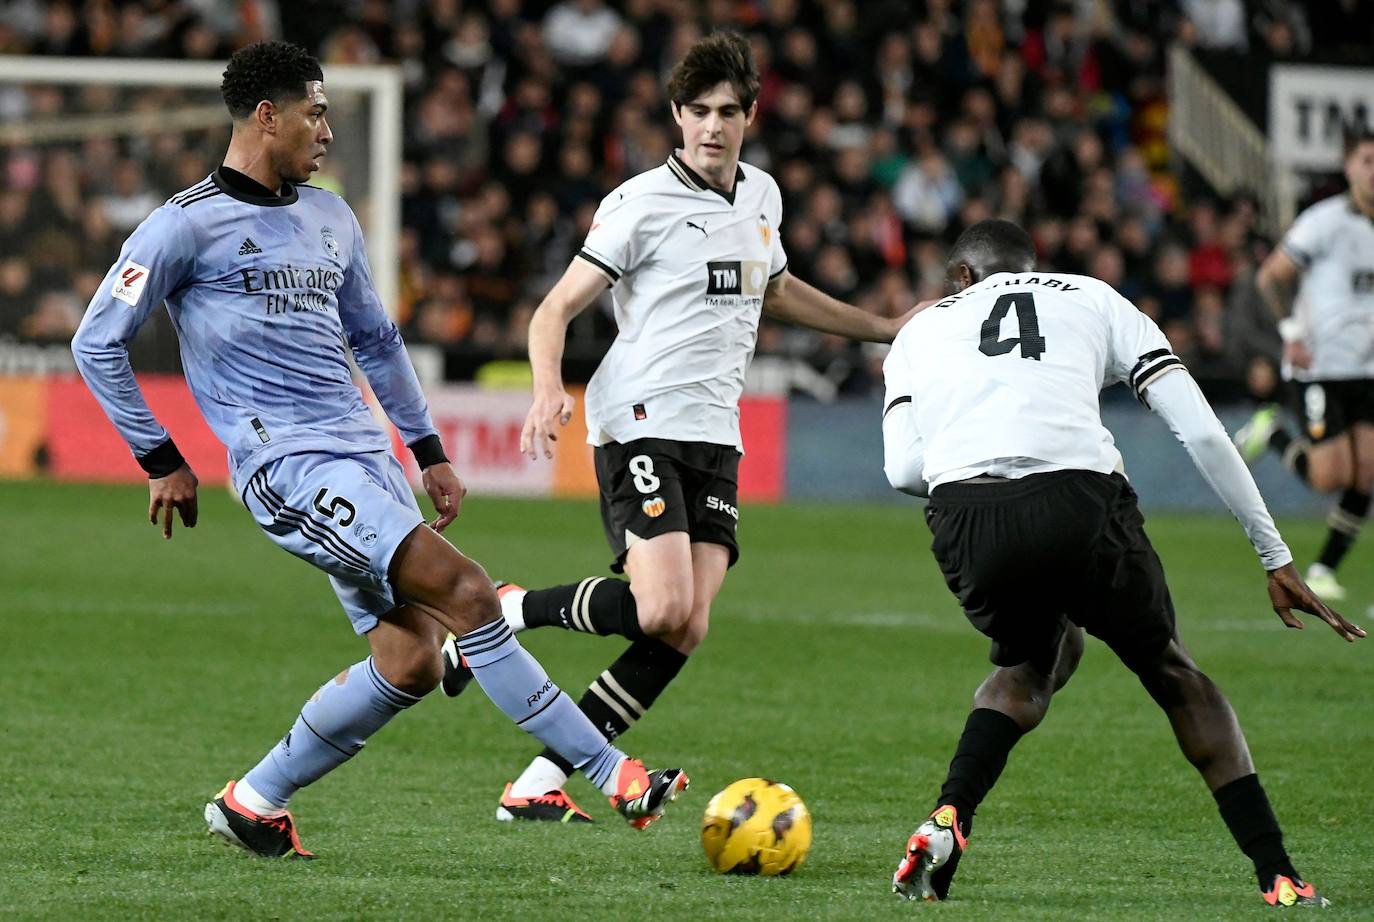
(903, 447)
(903, 450)
(155, 261)
(1176, 398)
(379, 349)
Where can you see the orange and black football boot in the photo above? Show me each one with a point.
(265, 836)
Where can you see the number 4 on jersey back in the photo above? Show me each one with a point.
(1031, 342)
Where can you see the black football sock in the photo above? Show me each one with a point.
(1343, 526)
(978, 761)
(1292, 450)
(979, 758)
(1247, 813)
(622, 693)
(595, 605)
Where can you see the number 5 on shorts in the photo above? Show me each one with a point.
(642, 467)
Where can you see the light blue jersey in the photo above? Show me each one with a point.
(263, 292)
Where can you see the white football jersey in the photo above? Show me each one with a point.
(1003, 378)
(1333, 243)
(688, 266)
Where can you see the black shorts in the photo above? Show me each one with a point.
(1027, 557)
(1330, 408)
(650, 487)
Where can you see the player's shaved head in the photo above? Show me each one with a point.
(986, 248)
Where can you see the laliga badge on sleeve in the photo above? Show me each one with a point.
(128, 284)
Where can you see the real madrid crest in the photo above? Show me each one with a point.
(331, 246)
(765, 231)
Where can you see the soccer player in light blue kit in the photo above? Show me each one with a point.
(265, 282)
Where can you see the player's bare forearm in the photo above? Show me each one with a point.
(570, 296)
(552, 407)
(1277, 282)
(1277, 295)
(548, 332)
(790, 299)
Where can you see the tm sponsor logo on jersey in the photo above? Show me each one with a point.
(128, 284)
(735, 279)
(292, 289)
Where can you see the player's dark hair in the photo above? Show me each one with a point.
(992, 246)
(275, 71)
(720, 56)
(1354, 139)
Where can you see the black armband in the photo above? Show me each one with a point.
(428, 451)
(162, 460)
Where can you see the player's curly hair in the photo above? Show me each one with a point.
(720, 56)
(275, 71)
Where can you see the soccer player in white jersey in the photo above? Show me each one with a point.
(992, 411)
(1319, 282)
(693, 256)
(266, 280)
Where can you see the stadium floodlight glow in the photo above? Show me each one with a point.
(379, 133)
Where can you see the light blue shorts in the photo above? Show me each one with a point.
(346, 514)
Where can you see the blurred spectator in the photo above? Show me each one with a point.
(1216, 24)
(927, 193)
(580, 32)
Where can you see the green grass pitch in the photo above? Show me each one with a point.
(139, 675)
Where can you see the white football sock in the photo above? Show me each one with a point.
(248, 797)
(538, 779)
(513, 610)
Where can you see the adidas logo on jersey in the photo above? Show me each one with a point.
(249, 247)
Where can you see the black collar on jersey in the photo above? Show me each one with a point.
(693, 180)
(246, 189)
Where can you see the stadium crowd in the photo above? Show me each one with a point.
(889, 124)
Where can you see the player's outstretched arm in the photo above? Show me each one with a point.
(1287, 591)
(553, 405)
(789, 298)
(1176, 398)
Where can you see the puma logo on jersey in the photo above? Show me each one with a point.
(700, 227)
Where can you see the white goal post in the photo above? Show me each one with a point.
(381, 84)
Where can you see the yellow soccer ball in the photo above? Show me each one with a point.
(756, 826)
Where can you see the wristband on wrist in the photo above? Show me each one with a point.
(428, 451)
(1292, 330)
(162, 460)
